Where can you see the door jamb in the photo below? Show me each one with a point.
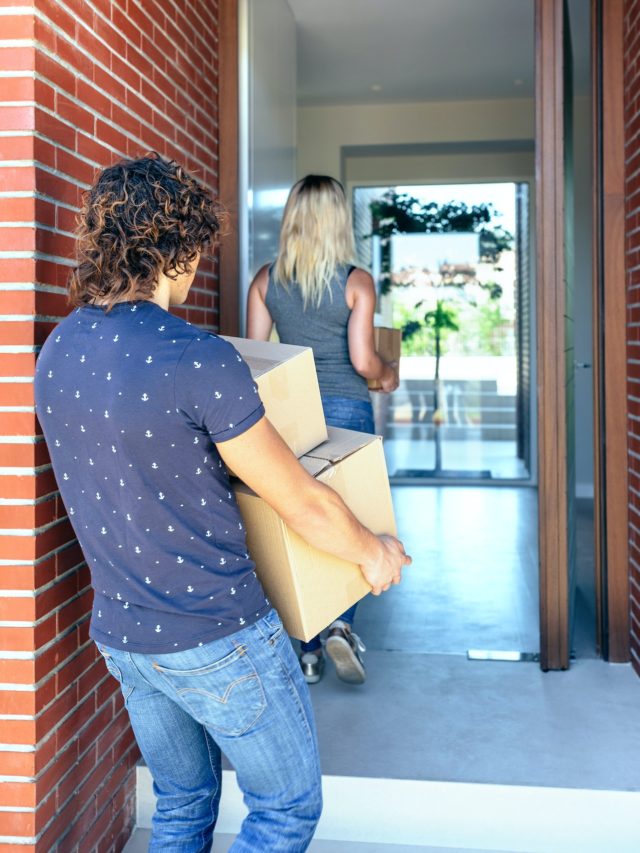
(610, 310)
(552, 409)
(229, 165)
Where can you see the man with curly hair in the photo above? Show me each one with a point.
(142, 413)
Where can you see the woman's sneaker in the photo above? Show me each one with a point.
(312, 665)
(344, 648)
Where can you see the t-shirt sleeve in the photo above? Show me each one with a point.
(215, 389)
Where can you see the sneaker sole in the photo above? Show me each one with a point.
(348, 667)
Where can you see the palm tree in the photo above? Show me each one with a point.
(440, 321)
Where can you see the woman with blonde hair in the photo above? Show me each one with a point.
(317, 297)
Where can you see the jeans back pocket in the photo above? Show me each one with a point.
(224, 695)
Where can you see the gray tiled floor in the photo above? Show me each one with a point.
(473, 582)
(426, 712)
(140, 840)
(444, 718)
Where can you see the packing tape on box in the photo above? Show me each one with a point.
(290, 433)
(278, 385)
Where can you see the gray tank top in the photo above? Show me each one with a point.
(324, 329)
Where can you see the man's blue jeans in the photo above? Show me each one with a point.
(243, 694)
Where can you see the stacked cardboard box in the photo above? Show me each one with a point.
(307, 586)
(288, 387)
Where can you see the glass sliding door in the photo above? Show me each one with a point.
(450, 266)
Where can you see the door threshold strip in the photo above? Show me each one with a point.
(500, 655)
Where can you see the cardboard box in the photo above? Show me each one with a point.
(309, 587)
(388, 343)
(288, 386)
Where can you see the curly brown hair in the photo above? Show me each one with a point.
(140, 218)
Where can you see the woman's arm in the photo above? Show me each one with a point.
(259, 321)
(361, 298)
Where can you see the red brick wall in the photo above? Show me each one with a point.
(632, 251)
(85, 82)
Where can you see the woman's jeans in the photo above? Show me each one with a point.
(348, 414)
(244, 694)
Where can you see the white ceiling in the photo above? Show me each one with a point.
(422, 50)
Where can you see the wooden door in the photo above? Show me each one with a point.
(554, 252)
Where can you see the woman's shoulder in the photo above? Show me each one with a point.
(359, 279)
(359, 287)
(261, 279)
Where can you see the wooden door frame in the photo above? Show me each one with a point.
(610, 331)
(550, 307)
(229, 166)
(611, 483)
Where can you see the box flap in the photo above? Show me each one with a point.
(340, 444)
(313, 465)
(362, 482)
(262, 356)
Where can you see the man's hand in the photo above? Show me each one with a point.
(385, 568)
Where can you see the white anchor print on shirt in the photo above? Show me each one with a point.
(207, 468)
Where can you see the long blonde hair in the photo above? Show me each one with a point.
(315, 237)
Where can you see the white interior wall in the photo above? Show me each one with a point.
(439, 168)
(324, 130)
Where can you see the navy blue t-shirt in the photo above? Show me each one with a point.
(132, 402)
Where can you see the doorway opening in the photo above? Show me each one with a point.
(406, 117)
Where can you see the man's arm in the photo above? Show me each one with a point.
(264, 462)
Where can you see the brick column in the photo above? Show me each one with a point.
(84, 83)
